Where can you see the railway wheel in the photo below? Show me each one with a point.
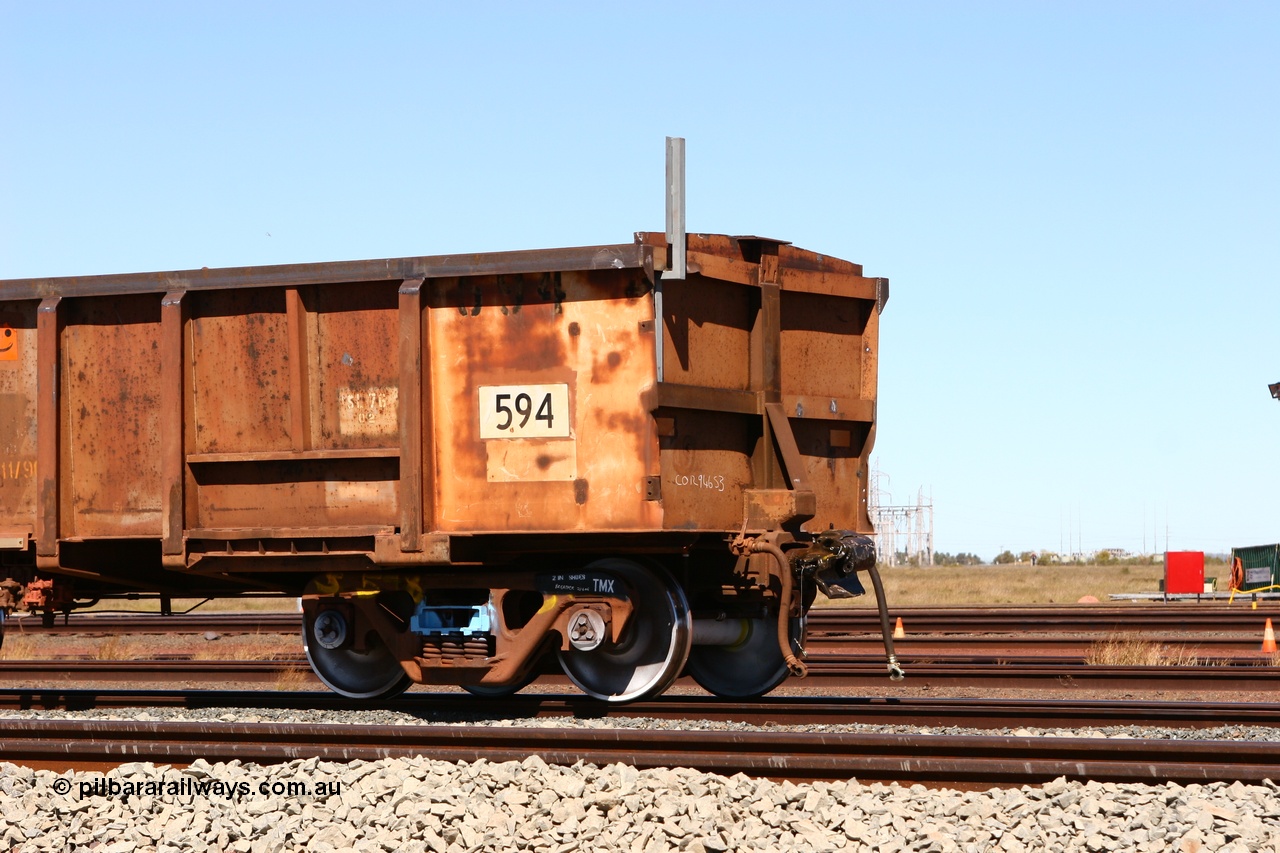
(748, 668)
(654, 645)
(371, 674)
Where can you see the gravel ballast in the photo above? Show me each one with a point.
(426, 805)
(421, 804)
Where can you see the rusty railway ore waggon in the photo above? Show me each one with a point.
(459, 463)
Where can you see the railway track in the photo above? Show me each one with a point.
(964, 760)
(907, 758)
(1172, 618)
(1154, 620)
(1049, 650)
(1205, 645)
(825, 672)
(768, 711)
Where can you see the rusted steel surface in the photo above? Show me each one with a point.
(18, 449)
(436, 430)
(1156, 621)
(1205, 624)
(151, 623)
(797, 711)
(111, 405)
(580, 444)
(825, 672)
(273, 420)
(1035, 673)
(56, 672)
(1208, 649)
(622, 256)
(732, 351)
(46, 398)
(779, 755)
(173, 370)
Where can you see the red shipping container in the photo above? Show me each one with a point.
(1184, 572)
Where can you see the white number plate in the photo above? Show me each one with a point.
(524, 411)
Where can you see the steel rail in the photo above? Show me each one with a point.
(826, 640)
(935, 759)
(812, 710)
(1036, 673)
(1207, 617)
(830, 671)
(154, 623)
(61, 671)
(1201, 645)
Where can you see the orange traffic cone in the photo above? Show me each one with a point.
(899, 634)
(1268, 638)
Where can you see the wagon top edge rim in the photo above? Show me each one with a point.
(533, 261)
(648, 251)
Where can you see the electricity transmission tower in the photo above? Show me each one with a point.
(904, 533)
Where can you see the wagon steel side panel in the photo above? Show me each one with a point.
(708, 325)
(110, 418)
(767, 407)
(706, 467)
(240, 385)
(18, 493)
(580, 331)
(259, 415)
(353, 345)
(828, 394)
(295, 399)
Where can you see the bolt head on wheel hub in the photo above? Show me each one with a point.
(330, 629)
(586, 630)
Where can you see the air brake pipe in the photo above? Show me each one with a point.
(794, 665)
(895, 671)
(784, 638)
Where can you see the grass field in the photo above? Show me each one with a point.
(1016, 584)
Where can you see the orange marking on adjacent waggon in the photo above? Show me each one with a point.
(8, 344)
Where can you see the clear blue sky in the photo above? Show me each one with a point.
(1076, 203)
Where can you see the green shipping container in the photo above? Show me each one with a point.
(1259, 567)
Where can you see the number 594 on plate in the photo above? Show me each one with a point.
(524, 411)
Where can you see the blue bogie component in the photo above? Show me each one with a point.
(431, 619)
